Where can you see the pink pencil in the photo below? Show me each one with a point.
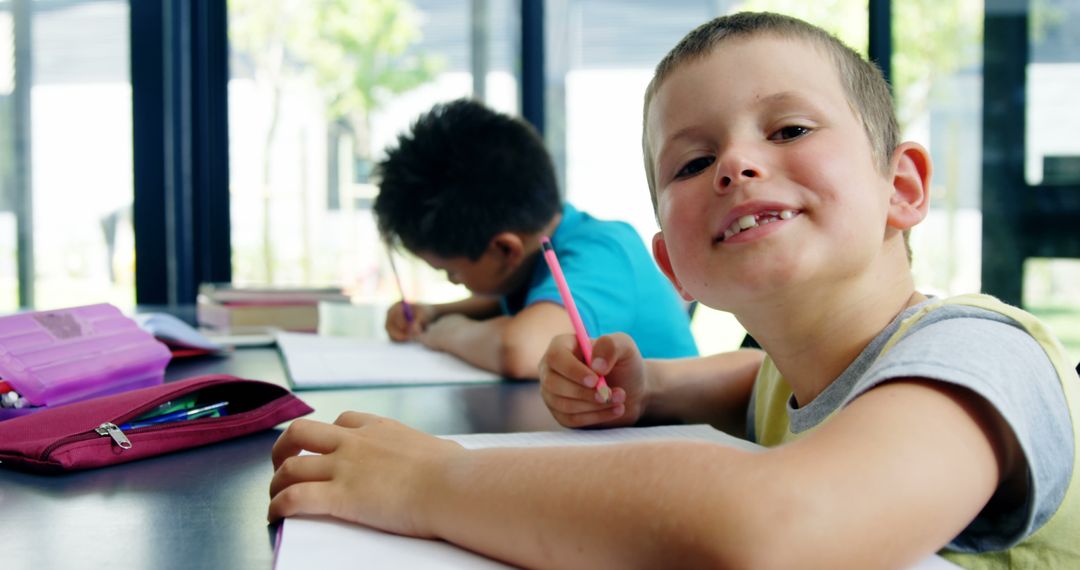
(571, 309)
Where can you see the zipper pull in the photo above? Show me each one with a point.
(111, 430)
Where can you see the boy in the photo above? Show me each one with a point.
(471, 191)
(898, 426)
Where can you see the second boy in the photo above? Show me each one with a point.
(471, 191)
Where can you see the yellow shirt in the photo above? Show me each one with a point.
(1056, 544)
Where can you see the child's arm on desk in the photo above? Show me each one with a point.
(400, 329)
(714, 389)
(892, 478)
(511, 346)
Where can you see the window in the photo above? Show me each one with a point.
(1051, 291)
(1052, 161)
(1031, 186)
(65, 142)
(313, 103)
(937, 83)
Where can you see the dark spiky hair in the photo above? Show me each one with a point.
(461, 175)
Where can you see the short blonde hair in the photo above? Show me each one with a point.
(866, 89)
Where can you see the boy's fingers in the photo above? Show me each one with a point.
(593, 418)
(416, 328)
(310, 498)
(301, 469)
(574, 406)
(396, 327)
(563, 357)
(316, 437)
(610, 349)
(561, 385)
(618, 395)
(356, 419)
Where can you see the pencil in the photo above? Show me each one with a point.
(571, 309)
(401, 290)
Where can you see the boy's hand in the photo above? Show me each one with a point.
(372, 470)
(568, 386)
(399, 328)
(440, 334)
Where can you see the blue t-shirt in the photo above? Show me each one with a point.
(616, 286)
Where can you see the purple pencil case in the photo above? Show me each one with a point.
(52, 358)
(88, 434)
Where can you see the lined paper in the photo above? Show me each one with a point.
(599, 437)
(314, 361)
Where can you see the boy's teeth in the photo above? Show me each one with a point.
(753, 221)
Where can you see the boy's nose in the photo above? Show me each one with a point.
(726, 181)
(734, 167)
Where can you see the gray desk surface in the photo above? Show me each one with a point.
(206, 507)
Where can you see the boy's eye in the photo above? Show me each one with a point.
(789, 133)
(694, 166)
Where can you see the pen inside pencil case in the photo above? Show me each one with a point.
(215, 410)
(212, 402)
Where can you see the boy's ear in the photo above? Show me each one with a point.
(910, 198)
(660, 252)
(509, 246)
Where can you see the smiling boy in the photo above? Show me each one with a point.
(897, 425)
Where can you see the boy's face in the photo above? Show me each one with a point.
(765, 179)
(485, 276)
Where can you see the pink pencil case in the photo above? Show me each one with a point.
(56, 357)
(86, 434)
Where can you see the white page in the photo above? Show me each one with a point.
(322, 542)
(599, 436)
(314, 361)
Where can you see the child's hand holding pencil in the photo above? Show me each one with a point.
(405, 320)
(402, 325)
(568, 385)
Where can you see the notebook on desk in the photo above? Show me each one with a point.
(314, 361)
(324, 542)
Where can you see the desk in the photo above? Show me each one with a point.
(206, 507)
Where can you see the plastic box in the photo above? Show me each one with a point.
(56, 357)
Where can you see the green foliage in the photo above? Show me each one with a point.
(931, 39)
(845, 19)
(358, 51)
(1045, 15)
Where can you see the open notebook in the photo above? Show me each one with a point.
(314, 361)
(323, 542)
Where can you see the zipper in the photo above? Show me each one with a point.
(102, 431)
(111, 430)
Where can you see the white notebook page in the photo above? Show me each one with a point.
(314, 361)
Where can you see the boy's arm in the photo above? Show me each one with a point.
(888, 481)
(713, 389)
(400, 328)
(511, 346)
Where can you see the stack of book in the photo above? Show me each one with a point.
(224, 306)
